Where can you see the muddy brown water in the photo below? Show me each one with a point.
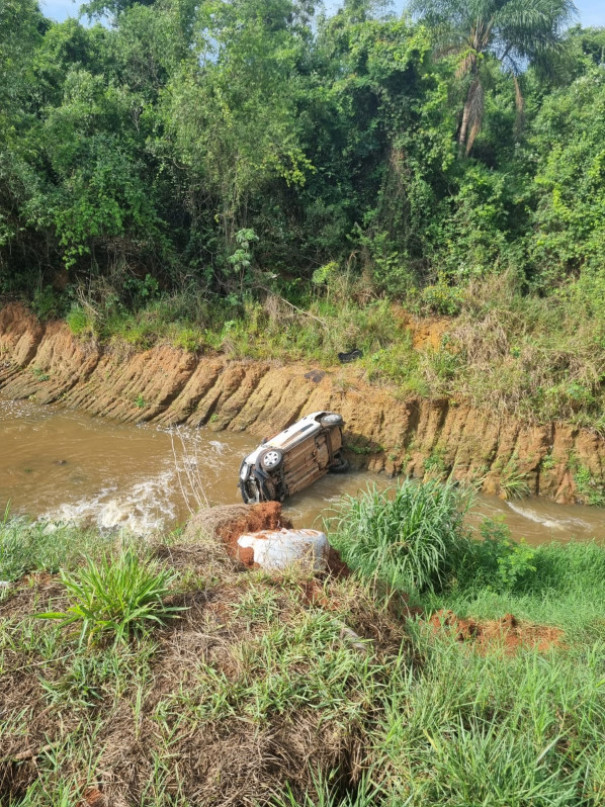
(66, 466)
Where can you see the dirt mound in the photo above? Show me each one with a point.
(229, 523)
(508, 632)
(259, 517)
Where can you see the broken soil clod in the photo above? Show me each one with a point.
(507, 632)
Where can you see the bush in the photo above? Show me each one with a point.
(497, 562)
(79, 321)
(441, 298)
(116, 597)
(409, 536)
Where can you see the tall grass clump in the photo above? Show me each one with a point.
(408, 536)
(115, 597)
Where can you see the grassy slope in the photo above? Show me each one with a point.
(260, 693)
(538, 358)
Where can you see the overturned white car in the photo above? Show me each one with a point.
(293, 459)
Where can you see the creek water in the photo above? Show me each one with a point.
(66, 466)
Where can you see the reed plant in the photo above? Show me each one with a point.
(409, 536)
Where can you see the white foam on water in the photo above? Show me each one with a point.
(555, 524)
(15, 409)
(141, 509)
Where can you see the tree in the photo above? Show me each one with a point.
(22, 28)
(515, 32)
(231, 111)
(568, 140)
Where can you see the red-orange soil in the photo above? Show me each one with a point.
(508, 632)
(260, 517)
(93, 798)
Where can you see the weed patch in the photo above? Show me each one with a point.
(115, 597)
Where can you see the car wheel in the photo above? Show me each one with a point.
(340, 465)
(331, 420)
(271, 459)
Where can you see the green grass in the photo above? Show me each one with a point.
(261, 694)
(115, 597)
(554, 584)
(408, 536)
(33, 546)
(469, 728)
(522, 731)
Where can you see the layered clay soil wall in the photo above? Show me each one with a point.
(384, 432)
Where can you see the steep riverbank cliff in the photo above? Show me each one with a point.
(384, 432)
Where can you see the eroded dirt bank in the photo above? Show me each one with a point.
(384, 432)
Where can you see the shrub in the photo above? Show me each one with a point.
(80, 321)
(409, 536)
(116, 597)
(497, 562)
(441, 298)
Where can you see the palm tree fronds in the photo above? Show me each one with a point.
(513, 31)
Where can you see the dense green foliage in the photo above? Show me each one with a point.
(226, 149)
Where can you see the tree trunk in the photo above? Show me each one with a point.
(466, 112)
(472, 114)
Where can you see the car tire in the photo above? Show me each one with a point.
(271, 459)
(327, 421)
(340, 465)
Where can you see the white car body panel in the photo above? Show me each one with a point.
(289, 437)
